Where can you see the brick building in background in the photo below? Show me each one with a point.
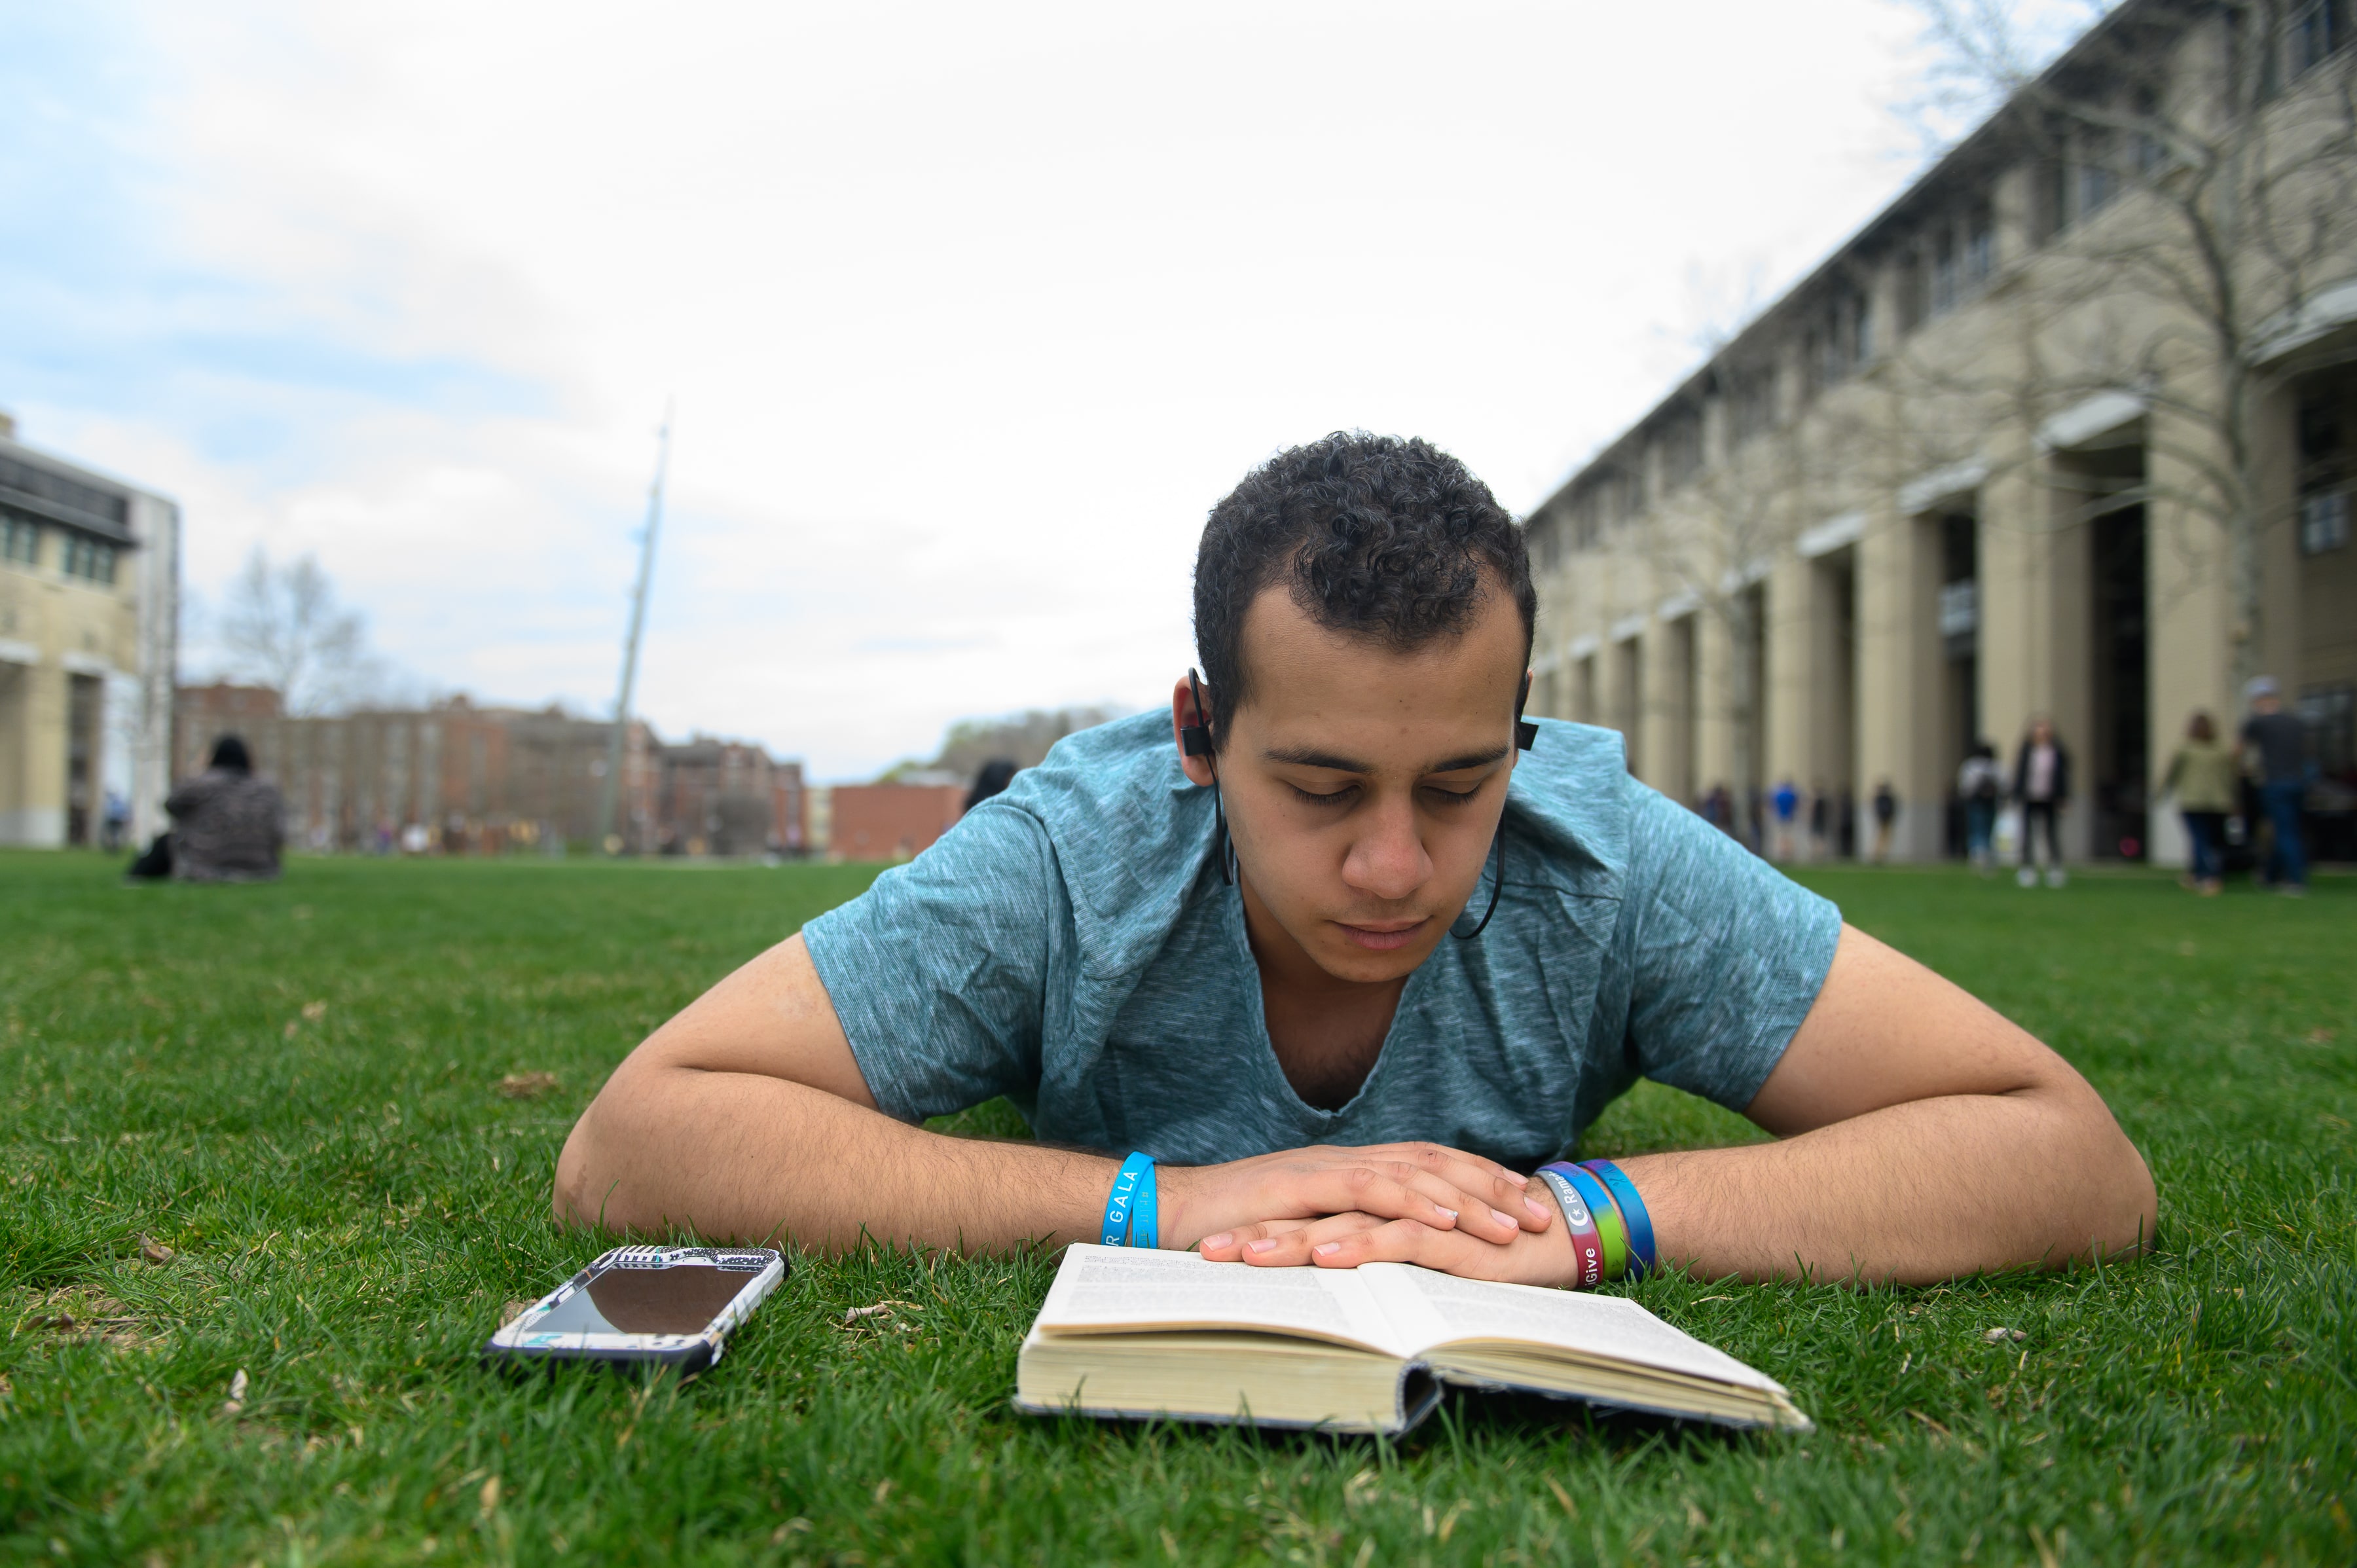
(469, 780)
(890, 822)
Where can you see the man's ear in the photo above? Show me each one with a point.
(1182, 715)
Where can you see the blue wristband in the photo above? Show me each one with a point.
(1146, 1214)
(1136, 1172)
(1632, 1210)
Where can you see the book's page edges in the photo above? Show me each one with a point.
(1418, 1392)
(1788, 1416)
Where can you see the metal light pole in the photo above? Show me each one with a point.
(608, 841)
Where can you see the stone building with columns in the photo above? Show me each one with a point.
(89, 613)
(2069, 429)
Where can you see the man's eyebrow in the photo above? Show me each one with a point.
(1310, 756)
(1470, 759)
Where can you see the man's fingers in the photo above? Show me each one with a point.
(1435, 1185)
(1281, 1244)
(1401, 1241)
(1482, 1181)
(1394, 1189)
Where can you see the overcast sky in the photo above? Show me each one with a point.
(970, 312)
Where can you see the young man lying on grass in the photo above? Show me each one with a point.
(1336, 1046)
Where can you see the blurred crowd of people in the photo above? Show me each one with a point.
(2242, 796)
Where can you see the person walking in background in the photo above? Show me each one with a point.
(2202, 777)
(1979, 782)
(1886, 813)
(1821, 833)
(1786, 801)
(2042, 784)
(2275, 750)
(1719, 809)
(227, 825)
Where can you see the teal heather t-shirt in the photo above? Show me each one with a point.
(1070, 945)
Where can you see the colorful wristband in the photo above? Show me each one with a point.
(1609, 1225)
(1632, 1213)
(1586, 1246)
(1119, 1204)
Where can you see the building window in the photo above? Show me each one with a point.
(1682, 458)
(20, 538)
(2323, 521)
(2096, 185)
(2330, 714)
(41, 483)
(1946, 275)
(1752, 403)
(1843, 340)
(1980, 247)
(2312, 33)
(92, 560)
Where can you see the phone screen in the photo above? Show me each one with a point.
(682, 1299)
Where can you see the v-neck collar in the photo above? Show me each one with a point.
(1257, 1006)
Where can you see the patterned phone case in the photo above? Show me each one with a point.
(755, 1271)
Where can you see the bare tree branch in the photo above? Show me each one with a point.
(283, 628)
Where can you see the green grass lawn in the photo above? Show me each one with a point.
(294, 1088)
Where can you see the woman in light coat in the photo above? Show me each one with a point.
(2202, 777)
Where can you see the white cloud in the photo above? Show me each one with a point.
(970, 312)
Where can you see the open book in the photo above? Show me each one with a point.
(1129, 1333)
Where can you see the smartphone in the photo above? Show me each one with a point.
(670, 1306)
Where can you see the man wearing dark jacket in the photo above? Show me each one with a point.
(2042, 784)
(2274, 749)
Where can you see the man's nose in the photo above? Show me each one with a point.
(1387, 860)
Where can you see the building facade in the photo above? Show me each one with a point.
(890, 821)
(89, 613)
(458, 779)
(2069, 431)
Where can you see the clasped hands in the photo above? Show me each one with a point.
(1389, 1203)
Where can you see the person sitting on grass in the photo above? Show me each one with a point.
(227, 825)
(1346, 961)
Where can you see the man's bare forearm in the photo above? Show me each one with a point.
(751, 1158)
(1916, 1193)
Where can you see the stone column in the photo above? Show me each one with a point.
(1714, 724)
(2189, 611)
(1667, 728)
(41, 815)
(155, 522)
(1621, 671)
(1901, 664)
(2036, 610)
(1791, 606)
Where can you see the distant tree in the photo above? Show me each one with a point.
(282, 626)
(1022, 738)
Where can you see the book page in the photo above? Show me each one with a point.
(1113, 1289)
(1428, 1309)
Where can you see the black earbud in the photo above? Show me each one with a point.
(1195, 739)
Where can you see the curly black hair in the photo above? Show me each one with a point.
(1375, 536)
